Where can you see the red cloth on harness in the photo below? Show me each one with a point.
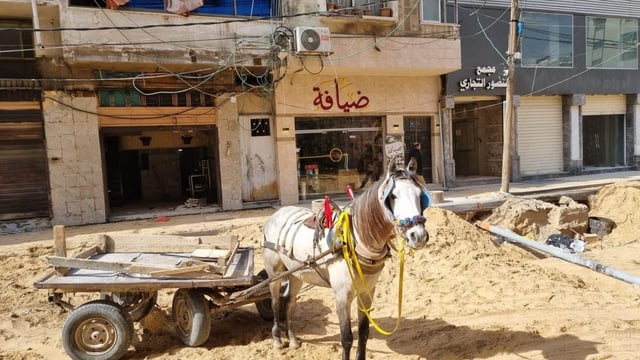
(328, 213)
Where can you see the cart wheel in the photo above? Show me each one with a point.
(97, 330)
(191, 316)
(137, 305)
(142, 308)
(264, 306)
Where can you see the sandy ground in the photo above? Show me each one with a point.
(465, 296)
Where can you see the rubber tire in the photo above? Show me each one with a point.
(264, 306)
(97, 330)
(135, 310)
(191, 316)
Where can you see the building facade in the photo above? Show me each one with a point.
(134, 103)
(576, 86)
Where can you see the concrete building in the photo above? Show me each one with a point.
(133, 104)
(576, 84)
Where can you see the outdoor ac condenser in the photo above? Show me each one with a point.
(312, 40)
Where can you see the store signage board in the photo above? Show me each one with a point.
(394, 147)
(484, 79)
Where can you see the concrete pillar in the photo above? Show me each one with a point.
(446, 133)
(287, 162)
(74, 155)
(572, 132)
(230, 153)
(633, 131)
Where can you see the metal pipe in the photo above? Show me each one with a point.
(607, 270)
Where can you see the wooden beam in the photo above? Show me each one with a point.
(60, 247)
(153, 243)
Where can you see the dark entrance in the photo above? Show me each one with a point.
(603, 140)
(418, 129)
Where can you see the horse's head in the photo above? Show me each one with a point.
(406, 199)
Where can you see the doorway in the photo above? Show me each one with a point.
(603, 140)
(418, 130)
(465, 146)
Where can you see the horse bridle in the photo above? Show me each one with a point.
(425, 200)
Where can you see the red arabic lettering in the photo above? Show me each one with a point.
(326, 101)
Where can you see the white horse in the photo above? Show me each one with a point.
(390, 208)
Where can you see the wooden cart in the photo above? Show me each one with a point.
(211, 275)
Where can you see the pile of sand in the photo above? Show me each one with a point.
(620, 203)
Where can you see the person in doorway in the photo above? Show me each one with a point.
(414, 161)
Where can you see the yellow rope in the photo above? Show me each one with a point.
(343, 229)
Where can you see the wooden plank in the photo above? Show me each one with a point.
(118, 267)
(234, 247)
(60, 247)
(190, 267)
(163, 243)
(181, 270)
(88, 253)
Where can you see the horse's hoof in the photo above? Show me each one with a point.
(294, 344)
(277, 345)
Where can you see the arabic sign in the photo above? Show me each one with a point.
(339, 96)
(393, 147)
(484, 82)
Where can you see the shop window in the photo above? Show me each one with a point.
(336, 152)
(547, 40)
(612, 43)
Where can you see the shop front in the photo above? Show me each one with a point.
(334, 152)
(334, 132)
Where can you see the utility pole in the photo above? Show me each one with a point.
(508, 118)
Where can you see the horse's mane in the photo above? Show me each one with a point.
(372, 219)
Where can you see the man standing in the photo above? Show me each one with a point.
(414, 162)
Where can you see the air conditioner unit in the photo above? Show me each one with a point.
(312, 40)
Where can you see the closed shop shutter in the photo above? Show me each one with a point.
(604, 105)
(539, 130)
(24, 180)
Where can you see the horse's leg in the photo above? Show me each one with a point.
(295, 285)
(274, 288)
(343, 309)
(363, 326)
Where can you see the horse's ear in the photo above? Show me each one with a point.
(392, 167)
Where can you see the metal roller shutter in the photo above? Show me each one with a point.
(24, 180)
(539, 129)
(604, 105)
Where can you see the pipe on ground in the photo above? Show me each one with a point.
(607, 270)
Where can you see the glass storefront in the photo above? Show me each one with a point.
(335, 152)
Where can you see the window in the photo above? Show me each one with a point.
(612, 43)
(547, 40)
(431, 10)
(125, 98)
(338, 151)
(16, 43)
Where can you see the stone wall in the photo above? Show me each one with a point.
(75, 164)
